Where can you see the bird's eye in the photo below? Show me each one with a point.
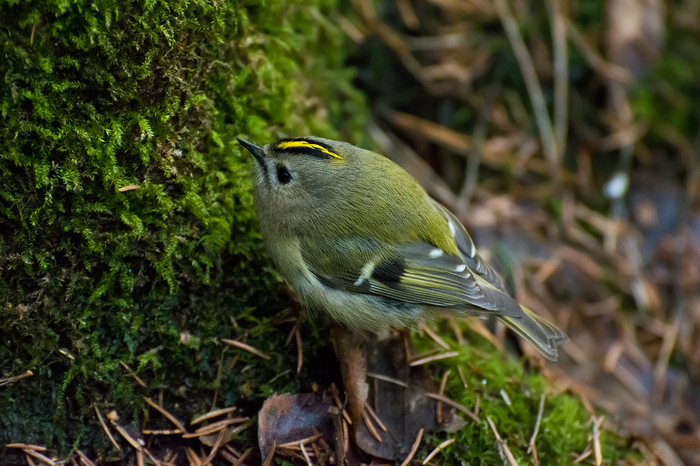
(283, 175)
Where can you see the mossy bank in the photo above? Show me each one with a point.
(127, 232)
(128, 244)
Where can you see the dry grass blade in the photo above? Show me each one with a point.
(370, 426)
(502, 444)
(244, 456)
(665, 453)
(128, 188)
(597, 62)
(215, 427)
(375, 417)
(271, 453)
(339, 404)
(14, 379)
(25, 446)
(106, 429)
(162, 411)
(245, 347)
(540, 411)
(438, 405)
(133, 374)
(561, 75)
(434, 336)
(306, 455)
(39, 456)
(459, 143)
(300, 352)
(505, 397)
(193, 458)
(386, 378)
(84, 459)
(215, 448)
(584, 454)
(534, 89)
(596, 441)
(132, 441)
(162, 432)
(414, 448)
(213, 414)
(454, 404)
(429, 359)
(295, 444)
(438, 449)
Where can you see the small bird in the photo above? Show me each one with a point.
(356, 236)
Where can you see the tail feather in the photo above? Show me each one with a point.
(544, 336)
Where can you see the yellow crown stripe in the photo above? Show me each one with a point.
(292, 144)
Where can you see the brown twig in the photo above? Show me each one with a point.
(162, 411)
(213, 414)
(502, 444)
(532, 83)
(414, 448)
(246, 347)
(106, 429)
(454, 404)
(438, 449)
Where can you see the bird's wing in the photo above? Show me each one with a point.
(418, 274)
(466, 247)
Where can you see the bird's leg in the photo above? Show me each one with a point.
(350, 351)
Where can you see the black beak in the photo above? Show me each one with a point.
(255, 151)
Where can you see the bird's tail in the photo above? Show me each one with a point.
(544, 336)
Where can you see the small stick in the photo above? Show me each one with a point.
(133, 374)
(370, 426)
(537, 424)
(215, 447)
(192, 456)
(434, 336)
(270, 454)
(596, 440)
(106, 429)
(25, 446)
(306, 455)
(300, 353)
(162, 411)
(311, 439)
(454, 404)
(437, 357)
(340, 406)
(243, 457)
(414, 448)
(505, 397)
(162, 432)
(211, 414)
(246, 347)
(438, 405)
(39, 456)
(502, 444)
(15, 378)
(386, 378)
(375, 417)
(438, 449)
(84, 459)
(460, 371)
(134, 443)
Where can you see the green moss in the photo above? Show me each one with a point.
(565, 427)
(97, 96)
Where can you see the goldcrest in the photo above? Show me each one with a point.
(356, 236)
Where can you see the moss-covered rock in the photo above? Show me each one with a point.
(126, 226)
